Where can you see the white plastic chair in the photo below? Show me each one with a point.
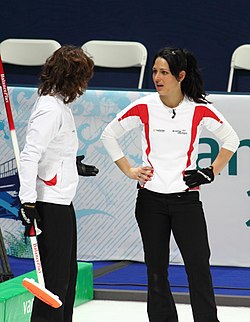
(240, 60)
(118, 54)
(27, 52)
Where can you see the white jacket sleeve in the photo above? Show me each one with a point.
(110, 137)
(228, 136)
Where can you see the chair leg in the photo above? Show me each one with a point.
(230, 80)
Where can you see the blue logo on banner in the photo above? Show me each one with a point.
(9, 187)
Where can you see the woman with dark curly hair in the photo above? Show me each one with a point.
(49, 176)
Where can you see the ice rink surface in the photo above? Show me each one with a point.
(126, 311)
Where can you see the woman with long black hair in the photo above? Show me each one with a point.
(171, 121)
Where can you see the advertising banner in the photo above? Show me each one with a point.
(104, 204)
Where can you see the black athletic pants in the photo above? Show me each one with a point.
(57, 246)
(157, 215)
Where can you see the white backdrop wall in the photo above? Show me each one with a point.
(107, 229)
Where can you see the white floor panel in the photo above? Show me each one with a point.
(125, 311)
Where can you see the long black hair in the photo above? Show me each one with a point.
(180, 59)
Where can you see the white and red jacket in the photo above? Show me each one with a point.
(169, 137)
(48, 161)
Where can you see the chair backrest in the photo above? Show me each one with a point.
(240, 60)
(27, 52)
(118, 54)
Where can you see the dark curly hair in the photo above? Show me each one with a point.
(66, 72)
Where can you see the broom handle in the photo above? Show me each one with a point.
(6, 98)
(37, 260)
(9, 114)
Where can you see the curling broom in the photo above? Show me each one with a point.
(37, 289)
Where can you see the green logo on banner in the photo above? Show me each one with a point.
(248, 222)
(214, 150)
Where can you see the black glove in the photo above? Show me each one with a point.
(28, 214)
(194, 178)
(84, 169)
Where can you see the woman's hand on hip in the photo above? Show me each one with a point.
(142, 174)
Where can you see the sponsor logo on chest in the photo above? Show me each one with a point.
(175, 131)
